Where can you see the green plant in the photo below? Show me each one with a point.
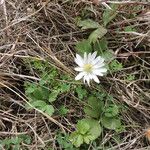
(110, 14)
(83, 46)
(115, 65)
(98, 33)
(94, 107)
(130, 77)
(97, 42)
(81, 92)
(15, 143)
(100, 110)
(129, 29)
(63, 110)
(87, 130)
(97, 114)
(42, 94)
(64, 142)
(38, 97)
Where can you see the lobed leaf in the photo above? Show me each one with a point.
(97, 34)
(88, 24)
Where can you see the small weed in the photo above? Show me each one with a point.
(15, 143)
(64, 142)
(42, 94)
(98, 116)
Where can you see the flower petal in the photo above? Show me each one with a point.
(89, 58)
(86, 78)
(79, 60)
(85, 58)
(98, 65)
(96, 79)
(97, 72)
(90, 76)
(102, 70)
(78, 69)
(80, 75)
(93, 55)
(98, 60)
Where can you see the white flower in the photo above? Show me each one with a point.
(90, 67)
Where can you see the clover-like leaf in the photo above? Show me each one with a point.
(111, 111)
(76, 139)
(94, 107)
(87, 130)
(83, 46)
(39, 104)
(115, 65)
(81, 92)
(83, 127)
(49, 109)
(95, 128)
(53, 95)
(88, 138)
(111, 123)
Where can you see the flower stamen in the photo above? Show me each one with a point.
(87, 68)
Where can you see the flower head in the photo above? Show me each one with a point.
(89, 67)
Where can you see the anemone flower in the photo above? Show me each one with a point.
(89, 67)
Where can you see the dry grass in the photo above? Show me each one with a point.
(46, 30)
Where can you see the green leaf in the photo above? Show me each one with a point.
(109, 15)
(129, 29)
(94, 107)
(16, 140)
(49, 109)
(108, 55)
(82, 127)
(111, 111)
(64, 87)
(88, 138)
(63, 110)
(30, 89)
(81, 92)
(101, 45)
(130, 77)
(45, 93)
(115, 65)
(87, 24)
(79, 140)
(38, 95)
(83, 46)
(95, 128)
(64, 142)
(53, 95)
(97, 34)
(87, 130)
(76, 139)
(39, 104)
(25, 138)
(111, 123)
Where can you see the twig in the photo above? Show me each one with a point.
(129, 2)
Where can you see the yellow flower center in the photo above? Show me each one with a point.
(88, 68)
